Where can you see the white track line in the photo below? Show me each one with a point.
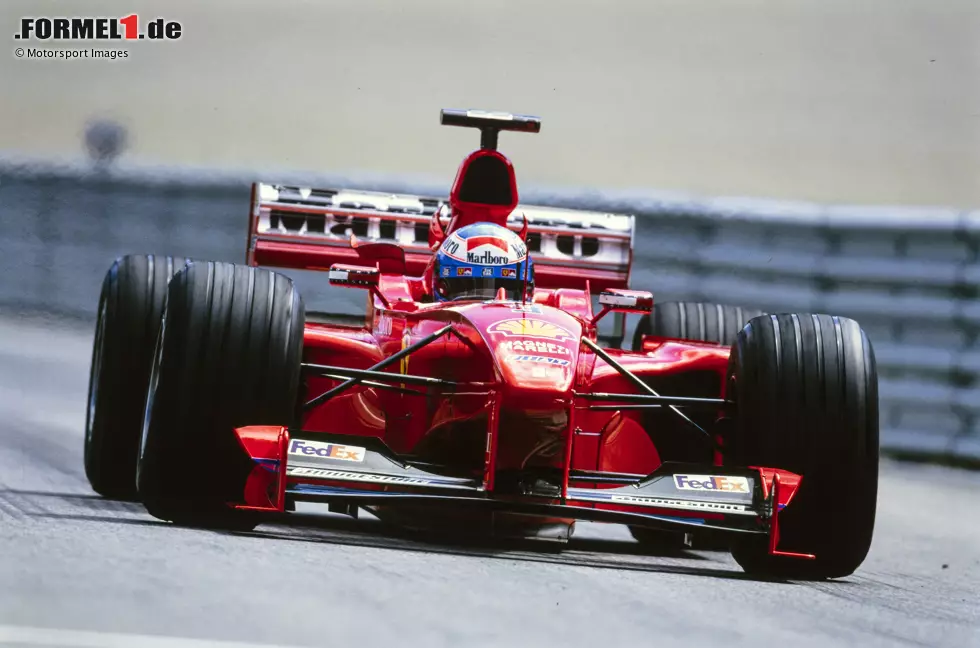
(52, 637)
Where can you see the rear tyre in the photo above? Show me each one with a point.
(228, 354)
(694, 321)
(806, 392)
(130, 305)
(703, 322)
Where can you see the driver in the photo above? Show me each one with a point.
(477, 260)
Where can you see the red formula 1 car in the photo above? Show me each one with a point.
(474, 392)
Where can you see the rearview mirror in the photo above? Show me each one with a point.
(626, 301)
(354, 276)
(616, 300)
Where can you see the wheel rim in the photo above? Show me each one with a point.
(95, 373)
(151, 391)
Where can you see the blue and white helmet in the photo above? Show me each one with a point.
(475, 261)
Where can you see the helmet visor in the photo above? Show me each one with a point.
(478, 288)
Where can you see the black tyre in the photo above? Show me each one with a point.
(228, 354)
(806, 393)
(130, 305)
(694, 321)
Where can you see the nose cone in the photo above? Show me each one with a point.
(536, 351)
(536, 364)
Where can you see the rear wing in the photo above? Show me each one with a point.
(310, 229)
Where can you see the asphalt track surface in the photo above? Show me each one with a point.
(876, 101)
(77, 570)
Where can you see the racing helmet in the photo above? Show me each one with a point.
(476, 260)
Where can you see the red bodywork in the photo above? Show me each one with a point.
(519, 409)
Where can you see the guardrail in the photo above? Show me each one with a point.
(910, 276)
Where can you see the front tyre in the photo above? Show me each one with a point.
(806, 395)
(228, 354)
(130, 305)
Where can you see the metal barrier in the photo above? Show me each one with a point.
(911, 277)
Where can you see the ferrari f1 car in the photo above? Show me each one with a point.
(475, 390)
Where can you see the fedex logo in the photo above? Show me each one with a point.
(712, 483)
(326, 450)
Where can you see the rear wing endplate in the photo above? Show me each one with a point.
(310, 229)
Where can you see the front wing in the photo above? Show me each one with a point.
(362, 471)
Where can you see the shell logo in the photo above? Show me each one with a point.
(530, 328)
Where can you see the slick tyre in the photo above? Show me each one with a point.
(806, 400)
(130, 305)
(228, 354)
(694, 321)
